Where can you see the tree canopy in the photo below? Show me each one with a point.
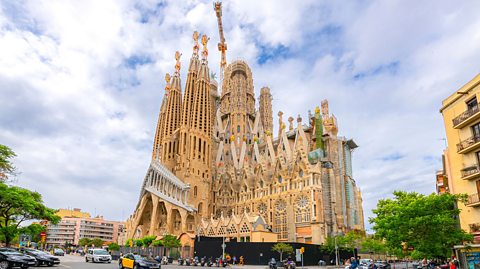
(170, 241)
(282, 248)
(147, 240)
(373, 245)
(6, 166)
(97, 242)
(113, 247)
(84, 241)
(425, 224)
(18, 205)
(348, 241)
(33, 230)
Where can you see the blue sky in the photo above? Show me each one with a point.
(81, 83)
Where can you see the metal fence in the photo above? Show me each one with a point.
(144, 251)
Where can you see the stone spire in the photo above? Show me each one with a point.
(187, 112)
(266, 110)
(197, 157)
(172, 117)
(157, 142)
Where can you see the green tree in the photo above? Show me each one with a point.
(18, 205)
(6, 166)
(425, 223)
(97, 242)
(170, 241)
(147, 240)
(33, 230)
(85, 242)
(351, 240)
(373, 245)
(129, 242)
(157, 243)
(138, 243)
(348, 242)
(113, 247)
(282, 248)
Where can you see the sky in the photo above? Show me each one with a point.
(81, 83)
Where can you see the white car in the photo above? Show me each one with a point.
(98, 255)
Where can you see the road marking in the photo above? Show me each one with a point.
(65, 265)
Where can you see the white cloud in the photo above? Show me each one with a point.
(81, 83)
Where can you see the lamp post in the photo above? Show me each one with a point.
(223, 247)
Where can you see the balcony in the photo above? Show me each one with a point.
(466, 117)
(474, 228)
(470, 172)
(468, 145)
(473, 200)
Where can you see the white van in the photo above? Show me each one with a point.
(98, 255)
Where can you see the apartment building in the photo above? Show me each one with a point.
(461, 174)
(75, 225)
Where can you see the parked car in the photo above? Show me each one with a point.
(43, 258)
(11, 258)
(58, 252)
(131, 261)
(383, 265)
(98, 255)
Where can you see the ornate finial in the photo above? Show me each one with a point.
(290, 121)
(178, 64)
(299, 119)
(167, 79)
(195, 45)
(325, 107)
(204, 43)
(317, 110)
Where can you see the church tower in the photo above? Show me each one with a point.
(266, 110)
(157, 141)
(196, 130)
(188, 107)
(169, 148)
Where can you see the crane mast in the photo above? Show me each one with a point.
(222, 46)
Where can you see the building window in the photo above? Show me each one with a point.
(472, 103)
(476, 130)
(195, 191)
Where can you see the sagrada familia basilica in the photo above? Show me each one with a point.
(219, 168)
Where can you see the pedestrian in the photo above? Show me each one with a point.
(234, 260)
(452, 265)
(353, 263)
(456, 263)
(242, 260)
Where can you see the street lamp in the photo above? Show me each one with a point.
(336, 247)
(223, 247)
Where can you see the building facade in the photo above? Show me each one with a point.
(461, 116)
(75, 225)
(219, 169)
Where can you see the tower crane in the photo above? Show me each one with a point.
(222, 46)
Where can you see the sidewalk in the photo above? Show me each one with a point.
(298, 267)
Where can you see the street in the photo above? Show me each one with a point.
(78, 262)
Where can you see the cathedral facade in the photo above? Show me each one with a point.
(220, 169)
